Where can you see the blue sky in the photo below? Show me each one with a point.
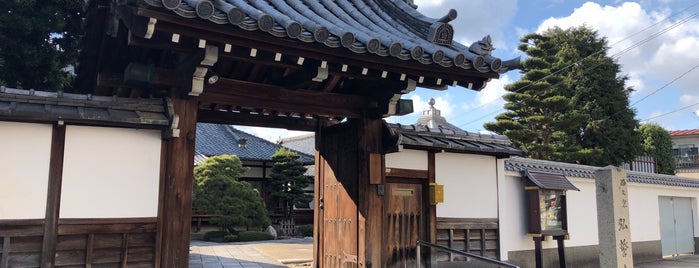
(656, 42)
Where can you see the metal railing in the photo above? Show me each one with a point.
(468, 255)
(687, 161)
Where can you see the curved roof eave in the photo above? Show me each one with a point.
(382, 27)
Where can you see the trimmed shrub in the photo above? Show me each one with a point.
(254, 236)
(215, 236)
(230, 238)
(305, 230)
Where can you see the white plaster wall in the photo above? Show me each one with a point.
(582, 215)
(644, 214)
(110, 173)
(409, 159)
(24, 166)
(513, 225)
(470, 185)
(644, 209)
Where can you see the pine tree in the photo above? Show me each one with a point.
(657, 143)
(288, 181)
(217, 191)
(571, 104)
(38, 40)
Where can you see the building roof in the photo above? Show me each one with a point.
(21, 104)
(686, 132)
(215, 139)
(432, 131)
(425, 137)
(383, 27)
(546, 180)
(303, 143)
(522, 164)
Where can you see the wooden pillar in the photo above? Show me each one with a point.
(561, 250)
(177, 191)
(53, 200)
(538, 254)
(431, 212)
(371, 179)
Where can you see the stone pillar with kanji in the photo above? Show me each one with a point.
(613, 218)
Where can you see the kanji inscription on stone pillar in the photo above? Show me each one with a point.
(613, 218)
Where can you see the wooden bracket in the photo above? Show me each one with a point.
(393, 102)
(210, 58)
(173, 131)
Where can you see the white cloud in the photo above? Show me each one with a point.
(653, 61)
(688, 99)
(491, 95)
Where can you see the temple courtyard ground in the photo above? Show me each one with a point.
(298, 252)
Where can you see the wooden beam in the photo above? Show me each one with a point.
(301, 78)
(431, 211)
(124, 250)
(89, 249)
(5, 257)
(53, 199)
(255, 95)
(258, 120)
(407, 173)
(140, 26)
(177, 198)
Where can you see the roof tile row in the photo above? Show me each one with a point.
(382, 27)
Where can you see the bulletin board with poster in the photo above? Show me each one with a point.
(546, 194)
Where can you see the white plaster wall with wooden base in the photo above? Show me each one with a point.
(582, 219)
(79, 196)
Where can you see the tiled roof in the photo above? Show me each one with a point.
(383, 27)
(454, 140)
(582, 171)
(546, 180)
(686, 132)
(24, 104)
(214, 139)
(303, 143)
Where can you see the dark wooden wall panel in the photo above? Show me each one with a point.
(27, 260)
(21, 242)
(477, 236)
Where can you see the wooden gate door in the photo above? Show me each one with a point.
(405, 220)
(337, 192)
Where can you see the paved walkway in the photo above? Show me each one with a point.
(676, 262)
(277, 253)
(298, 252)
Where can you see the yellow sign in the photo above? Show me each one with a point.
(436, 193)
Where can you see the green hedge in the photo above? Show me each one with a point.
(216, 236)
(254, 236)
(230, 238)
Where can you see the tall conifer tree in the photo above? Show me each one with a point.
(287, 181)
(571, 103)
